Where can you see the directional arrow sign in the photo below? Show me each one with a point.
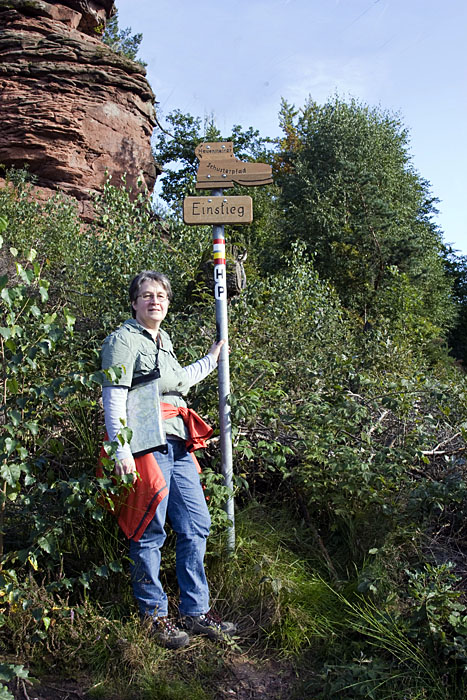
(218, 210)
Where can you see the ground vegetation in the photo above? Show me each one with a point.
(349, 423)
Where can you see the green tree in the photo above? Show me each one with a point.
(349, 190)
(456, 269)
(174, 150)
(122, 41)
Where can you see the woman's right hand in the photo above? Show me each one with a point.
(126, 466)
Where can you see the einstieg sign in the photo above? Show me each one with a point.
(218, 210)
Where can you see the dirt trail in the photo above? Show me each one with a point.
(243, 679)
(257, 681)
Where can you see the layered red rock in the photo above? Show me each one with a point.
(71, 110)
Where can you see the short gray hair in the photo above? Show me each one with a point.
(147, 276)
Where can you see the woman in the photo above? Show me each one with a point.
(144, 352)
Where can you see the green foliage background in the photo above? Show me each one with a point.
(349, 419)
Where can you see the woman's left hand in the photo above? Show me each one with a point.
(215, 349)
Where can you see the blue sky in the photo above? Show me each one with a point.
(236, 60)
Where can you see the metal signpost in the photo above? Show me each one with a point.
(225, 424)
(219, 169)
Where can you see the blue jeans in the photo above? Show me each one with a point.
(187, 511)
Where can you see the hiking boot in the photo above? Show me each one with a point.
(218, 168)
(209, 625)
(168, 634)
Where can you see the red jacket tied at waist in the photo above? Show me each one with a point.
(198, 429)
(136, 508)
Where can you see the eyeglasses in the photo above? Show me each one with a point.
(160, 297)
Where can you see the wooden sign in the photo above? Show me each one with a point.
(218, 168)
(218, 210)
(215, 149)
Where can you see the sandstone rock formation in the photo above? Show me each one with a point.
(71, 109)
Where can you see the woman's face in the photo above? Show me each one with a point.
(151, 305)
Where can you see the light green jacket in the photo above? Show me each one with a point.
(132, 348)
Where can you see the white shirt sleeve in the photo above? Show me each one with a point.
(200, 369)
(114, 402)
